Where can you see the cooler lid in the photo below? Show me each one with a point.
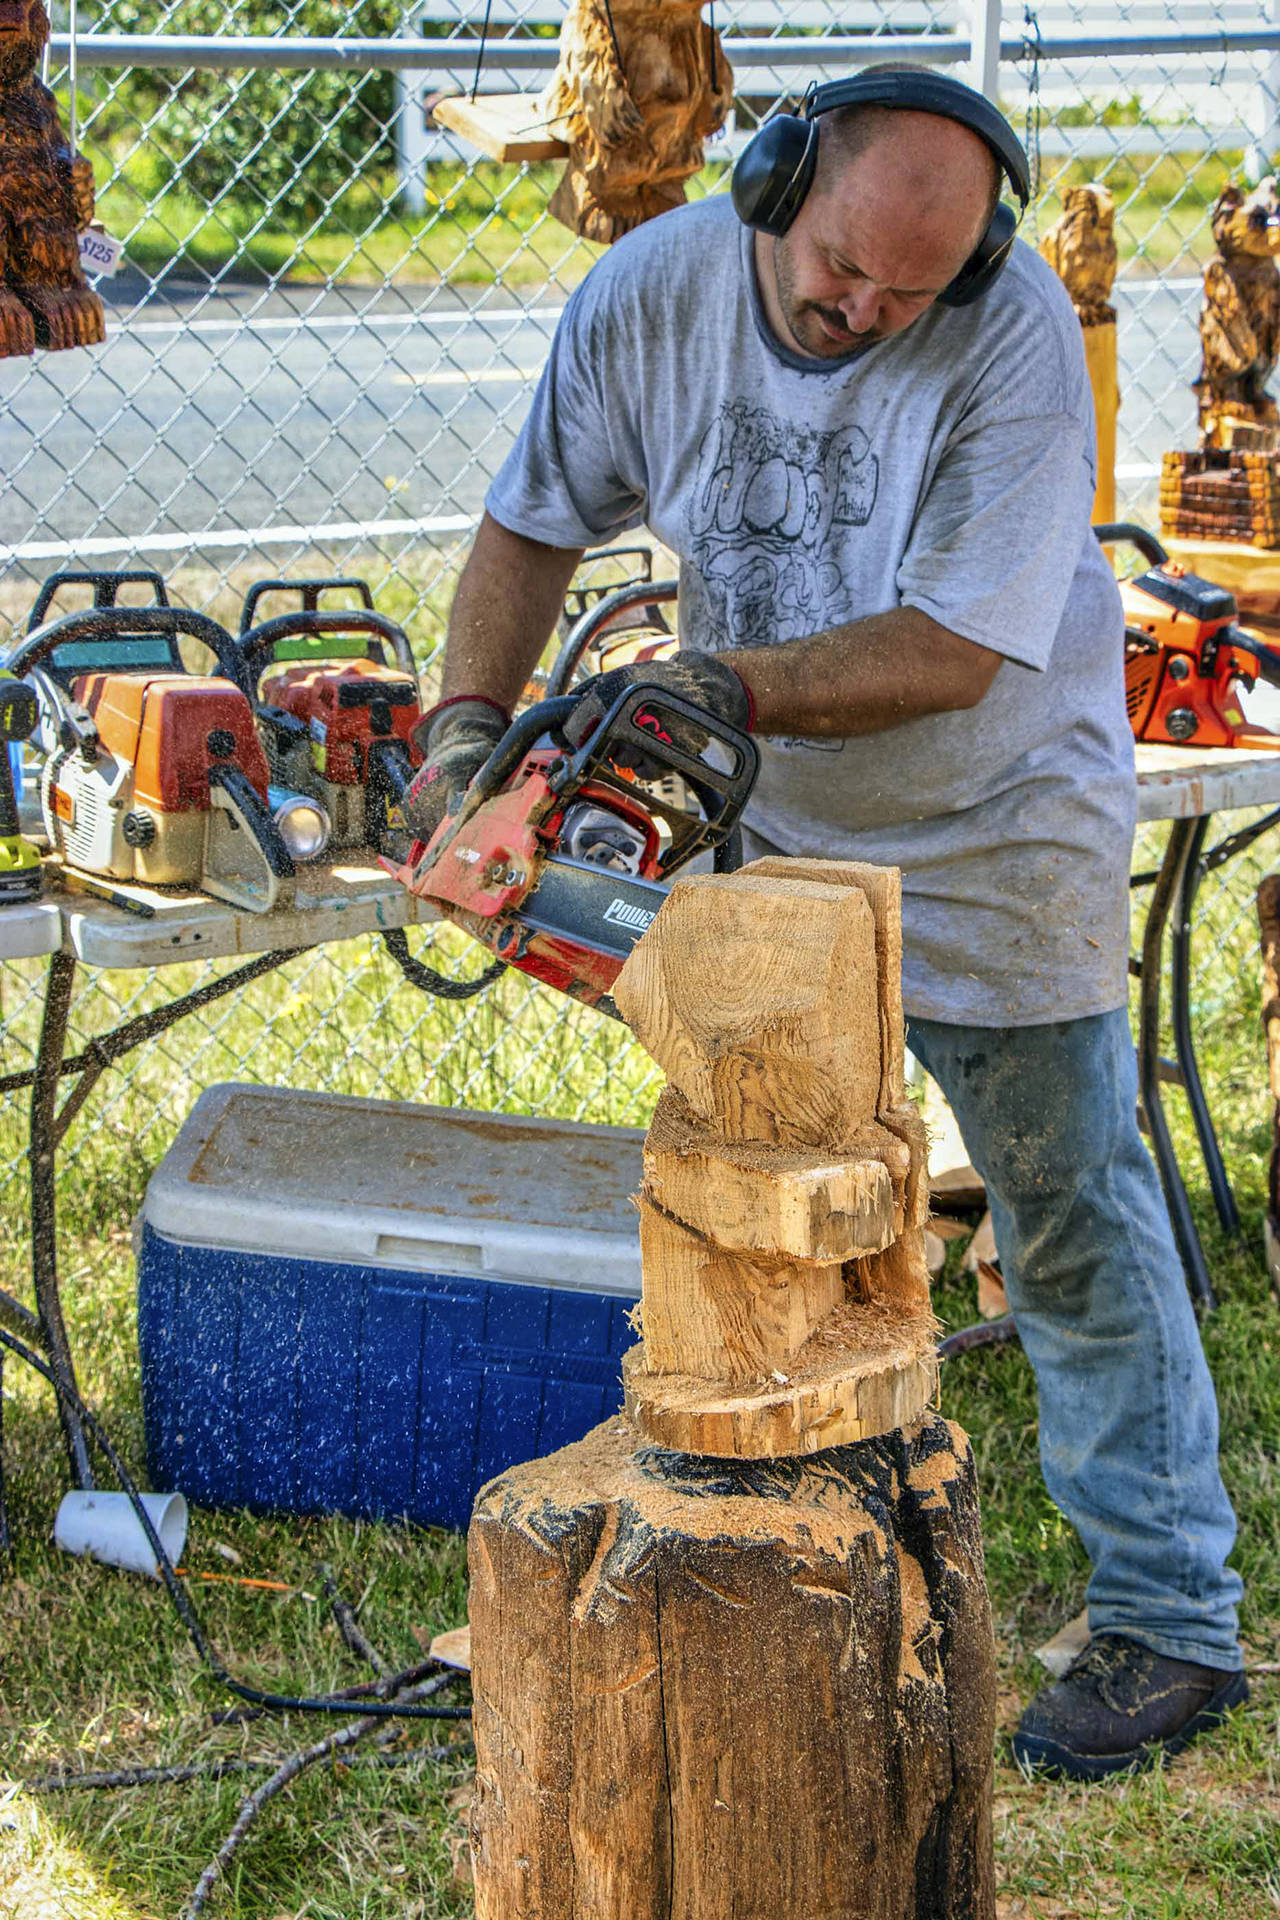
(278, 1170)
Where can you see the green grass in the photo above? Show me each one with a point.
(97, 1674)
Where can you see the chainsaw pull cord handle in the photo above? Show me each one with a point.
(116, 626)
(312, 623)
(1148, 546)
(597, 620)
(308, 591)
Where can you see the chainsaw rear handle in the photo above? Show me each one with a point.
(597, 620)
(308, 591)
(106, 585)
(113, 627)
(1244, 642)
(314, 623)
(1148, 546)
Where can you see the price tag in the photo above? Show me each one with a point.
(99, 253)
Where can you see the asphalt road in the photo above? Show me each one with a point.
(233, 411)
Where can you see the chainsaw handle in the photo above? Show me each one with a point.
(106, 585)
(314, 623)
(116, 625)
(1244, 642)
(1148, 546)
(308, 591)
(597, 620)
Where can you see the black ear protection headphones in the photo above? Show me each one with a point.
(775, 170)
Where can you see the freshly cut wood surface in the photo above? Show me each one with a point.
(506, 126)
(723, 1315)
(896, 1278)
(750, 1197)
(882, 889)
(757, 998)
(703, 1688)
(865, 1371)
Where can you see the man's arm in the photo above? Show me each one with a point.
(864, 676)
(508, 601)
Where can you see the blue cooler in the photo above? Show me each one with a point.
(368, 1307)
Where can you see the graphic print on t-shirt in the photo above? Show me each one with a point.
(770, 500)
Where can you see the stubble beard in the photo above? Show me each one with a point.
(804, 317)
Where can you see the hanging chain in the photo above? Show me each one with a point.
(1031, 138)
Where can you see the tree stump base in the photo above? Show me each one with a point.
(753, 1688)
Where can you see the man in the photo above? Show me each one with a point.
(880, 501)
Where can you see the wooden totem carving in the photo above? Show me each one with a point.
(1081, 249)
(639, 86)
(46, 199)
(1240, 321)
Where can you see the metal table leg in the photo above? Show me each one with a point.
(1184, 1045)
(44, 1219)
(1185, 840)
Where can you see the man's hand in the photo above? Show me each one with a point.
(704, 679)
(457, 738)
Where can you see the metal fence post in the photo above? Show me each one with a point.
(984, 34)
(1264, 109)
(410, 128)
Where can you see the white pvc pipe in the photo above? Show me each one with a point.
(105, 1526)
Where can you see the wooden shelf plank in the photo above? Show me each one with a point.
(506, 126)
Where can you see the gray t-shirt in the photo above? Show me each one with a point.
(949, 468)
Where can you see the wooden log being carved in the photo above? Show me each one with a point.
(639, 86)
(46, 198)
(749, 1669)
(1240, 321)
(1080, 247)
(709, 1687)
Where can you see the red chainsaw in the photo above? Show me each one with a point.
(1186, 658)
(557, 857)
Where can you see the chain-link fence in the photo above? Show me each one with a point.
(324, 336)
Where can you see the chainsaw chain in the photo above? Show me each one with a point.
(427, 979)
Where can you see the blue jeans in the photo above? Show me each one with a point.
(1128, 1418)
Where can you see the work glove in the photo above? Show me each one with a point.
(456, 739)
(704, 679)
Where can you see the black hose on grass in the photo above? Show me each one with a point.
(256, 1696)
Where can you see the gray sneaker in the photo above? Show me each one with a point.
(1120, 1707)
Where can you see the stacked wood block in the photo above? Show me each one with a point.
(786, 1296)
(733, 1654)
(1221, 494)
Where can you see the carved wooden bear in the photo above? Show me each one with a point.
(46, 197)
(1240, 320)
(639, 86)
(1081, 248)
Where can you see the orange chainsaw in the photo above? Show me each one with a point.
(557, 857)
(1186, 659)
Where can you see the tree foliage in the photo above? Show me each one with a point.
(291, 140)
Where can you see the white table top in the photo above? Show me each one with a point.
(1179, 783)
(335, 900)
(29, 929)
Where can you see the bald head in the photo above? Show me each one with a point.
(917, 166)
(899, 201)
